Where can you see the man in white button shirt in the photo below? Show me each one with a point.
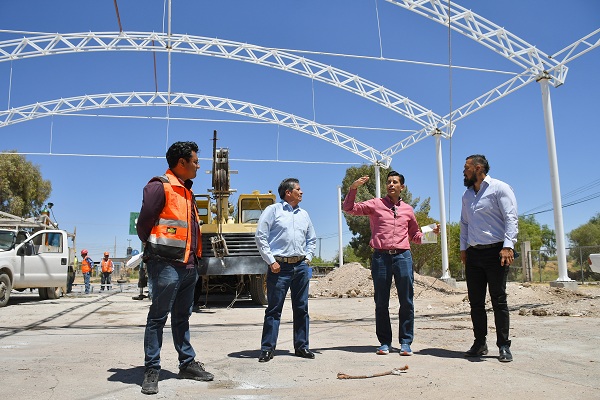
(488, 234)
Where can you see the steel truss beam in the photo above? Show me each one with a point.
(488, 34)
(535, 62)
(145, 99)
(587, 42)
(53, 44)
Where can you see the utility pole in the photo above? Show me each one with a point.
(319, 239)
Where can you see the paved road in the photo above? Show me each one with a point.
(90, 347)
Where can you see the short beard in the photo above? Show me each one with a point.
(469, 182)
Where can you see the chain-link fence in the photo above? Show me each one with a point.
(542, 265)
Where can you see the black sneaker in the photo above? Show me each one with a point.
(477, 350)
(195, 370)
(150, 384)
(505, 354)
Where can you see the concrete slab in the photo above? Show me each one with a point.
(91, 347)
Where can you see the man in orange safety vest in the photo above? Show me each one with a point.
(107, 269)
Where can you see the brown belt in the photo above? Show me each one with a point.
(290, 260)
(487, 246)
(391, 251)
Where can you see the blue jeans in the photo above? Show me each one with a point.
(483, 270)
(297, 277)
(400, 266)
(172, 291)
(86, 280)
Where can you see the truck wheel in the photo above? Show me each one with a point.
(5, 288)
(258, 289)
(43, 293)
(53, 292)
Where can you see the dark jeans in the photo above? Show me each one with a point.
(400, 266)
(172, 291)
(105, 279)
(297, 277)
(483, 270)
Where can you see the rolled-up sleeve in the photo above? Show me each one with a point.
(353, 208)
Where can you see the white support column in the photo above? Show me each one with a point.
(554, 179)
(377, 181)
(340, 244)
(444, 236)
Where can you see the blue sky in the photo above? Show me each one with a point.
(95, 195)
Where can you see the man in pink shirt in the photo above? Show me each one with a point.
(393, 227)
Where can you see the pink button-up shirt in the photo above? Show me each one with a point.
(388, 231)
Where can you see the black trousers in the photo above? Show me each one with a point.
(483, 270)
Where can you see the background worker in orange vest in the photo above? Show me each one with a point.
(86, 269)
(107, 268)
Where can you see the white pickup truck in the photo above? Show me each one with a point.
(594, 261)
(37, 261)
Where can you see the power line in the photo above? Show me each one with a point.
(572, 193)
(575, 202)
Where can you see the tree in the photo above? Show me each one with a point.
(530, 230)
(428, 255)
(454, 262)
(23, 191)
(583, 240)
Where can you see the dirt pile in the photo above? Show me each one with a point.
(353, 280)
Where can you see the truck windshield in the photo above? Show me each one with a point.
(253, 207)
(7, 240)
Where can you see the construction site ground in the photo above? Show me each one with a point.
(91, 346)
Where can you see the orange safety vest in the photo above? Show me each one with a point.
(107, 265)
(169, 236)
(86, 266)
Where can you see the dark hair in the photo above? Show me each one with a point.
(394, 173)
(285, 185)
(180, 150)
(479, 159)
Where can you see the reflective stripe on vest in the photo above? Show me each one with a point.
(170, 235)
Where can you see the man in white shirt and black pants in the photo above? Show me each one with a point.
(488, 234)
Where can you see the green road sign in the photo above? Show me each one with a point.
(132, 222)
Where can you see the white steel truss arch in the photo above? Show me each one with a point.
(488, 34)
(63, 43)
(145, 99)
(536, 63)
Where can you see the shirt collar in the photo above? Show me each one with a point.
(391, 202)
(487, 180)
(287, 205)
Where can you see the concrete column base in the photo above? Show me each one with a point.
(570, 285)
(449, 281)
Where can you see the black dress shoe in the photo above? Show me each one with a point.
(266, 355)
(505, 354)
(477, 350)
(304, 353)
